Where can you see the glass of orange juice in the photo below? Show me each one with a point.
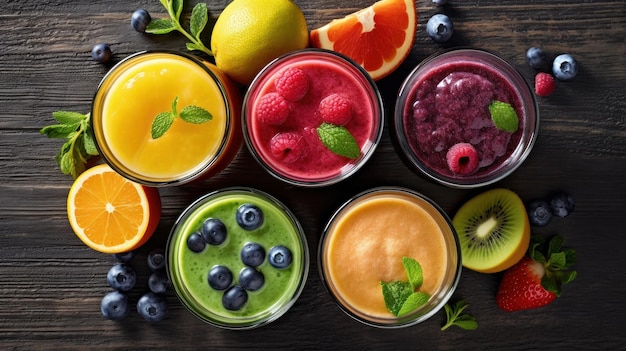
(364, 249)
(148, 84)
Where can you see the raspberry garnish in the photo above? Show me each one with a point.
(288, 147)
(292, 83)
(335, 109)
(272, 109)
(462, 158)
(544, 84)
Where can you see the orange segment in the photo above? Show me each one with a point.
(379, 37)
(111, 214)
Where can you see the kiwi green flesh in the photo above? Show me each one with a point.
(490, 228)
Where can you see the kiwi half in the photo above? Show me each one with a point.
(493, 230)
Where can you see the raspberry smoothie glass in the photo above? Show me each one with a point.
(312, 117)
(443, 118)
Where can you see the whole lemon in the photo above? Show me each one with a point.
(249, 34)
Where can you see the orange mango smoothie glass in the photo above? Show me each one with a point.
(365, 242)
(146, 84)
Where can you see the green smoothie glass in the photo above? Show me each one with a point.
(237, 258)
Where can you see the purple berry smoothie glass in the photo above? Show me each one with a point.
(445, 102)
(312, 117)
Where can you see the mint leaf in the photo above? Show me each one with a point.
(68, 117)
(177, 8)
(504, 116)
(195, 114)
(412, 302)
(338, 140)
(60, 131)
(89, 142)
(160, 26)
(198, 20)
(455, 316)
(414, 272)
(161, 124)
(395, 294)
(193, 47)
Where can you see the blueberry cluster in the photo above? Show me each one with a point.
(541, 211)
(252, 254)
(122, 277)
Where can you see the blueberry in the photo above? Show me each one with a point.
(220, 277)
(195, 242)
(251, 279)
(439, 28)
(122, 277)
(539, 213)
(279, 257)
(101, 53)
(234, 298)
(152, 307)
(564, 67)
(537, 58)
(440, 2)
(158, 282)
(115, 306)
(140, 20)
(124, 257)
(156, 259)
(249, 217)
(213, 231)
(562, 204)
(252, 254)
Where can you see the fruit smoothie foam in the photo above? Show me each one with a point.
(239, 302)
(444, 119)
(294, 96)
(365, 242)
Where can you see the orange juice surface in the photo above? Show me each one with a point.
(147, 87)
(368, 243)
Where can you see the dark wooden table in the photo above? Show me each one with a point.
(51, 284)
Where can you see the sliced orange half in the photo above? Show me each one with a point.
(379, 37)
(110, 213)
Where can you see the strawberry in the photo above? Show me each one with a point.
(535, 281)
(544, 84)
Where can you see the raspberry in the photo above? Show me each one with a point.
(272, 109)
(292, 83)
(335, 109)
(462, 158)
(288, 147)
(544, 84)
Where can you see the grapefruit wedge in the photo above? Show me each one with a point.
(379, 37)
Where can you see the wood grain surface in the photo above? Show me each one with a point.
(51, 284)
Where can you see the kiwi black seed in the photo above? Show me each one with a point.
(493, 230)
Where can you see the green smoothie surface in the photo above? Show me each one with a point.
(189, 270)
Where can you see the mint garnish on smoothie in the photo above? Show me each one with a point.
(191, 114)
(338, 140)
(402, 297)
(504, 116)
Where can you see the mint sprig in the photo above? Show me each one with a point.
(402, 297)
(79, 146)
(191, 114)
(504, 116)
(455, 316)
(197, 23)
(338, 140)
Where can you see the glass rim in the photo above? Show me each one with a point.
(343, 174)
(517, 156)
(303, 274)
(419, 315)
(113, 161)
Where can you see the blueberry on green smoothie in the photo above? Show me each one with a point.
(251, 279)
(280, 257)
(234, 298)
(252, 254)
(249, 217)
(213, 231)
(220, 277)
